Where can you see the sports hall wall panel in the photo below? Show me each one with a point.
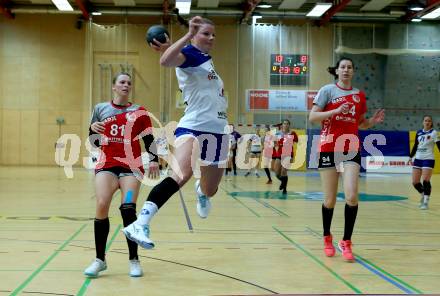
(52, 69)
(44, 58)
(397, 66)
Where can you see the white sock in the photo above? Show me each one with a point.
(147, 212)
(425, 199)
(199, 191)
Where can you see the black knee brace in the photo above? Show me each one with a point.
(128, 213)
(418, 187)
(427, 188)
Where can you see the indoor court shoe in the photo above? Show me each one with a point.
(345, 248)
(424, 206)
(203, 202)
(140, 234)
(95, 268)
(329, 249)
(135, 268)
(269, 182)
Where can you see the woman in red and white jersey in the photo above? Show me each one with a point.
(282, 151)
(119, 126)
(341, 110)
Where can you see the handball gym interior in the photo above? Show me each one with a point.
(273, 58)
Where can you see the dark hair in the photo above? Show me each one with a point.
(432, 121)
(332, 70)
(282, 121)
(120, 74)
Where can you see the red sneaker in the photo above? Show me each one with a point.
(345, 247)
(329, 249)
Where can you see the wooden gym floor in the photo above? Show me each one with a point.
(255, 242)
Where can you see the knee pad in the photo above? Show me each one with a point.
(427, 188)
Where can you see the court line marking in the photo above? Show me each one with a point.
(319, 262)
(45, 263)
(240, 202)
(39, 293)
(404, 205)
(87, 281)
(407, 288)
(185, 211)
(203, 269)
(266, 204)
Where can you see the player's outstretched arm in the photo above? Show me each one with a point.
(378, 117)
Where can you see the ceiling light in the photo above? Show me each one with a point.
(184, 6)
(264, 5)
(96, 13)
(63, 5)
(432, 15)
(415, 6)
(416, 20)
(319, 9)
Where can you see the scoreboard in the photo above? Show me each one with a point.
(289, 69)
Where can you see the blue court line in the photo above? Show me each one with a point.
(378, 271)
(267, 205)
(185, 211)
(318, 261)
(240, 202)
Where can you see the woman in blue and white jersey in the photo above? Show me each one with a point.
(200, 132)
(424, 162)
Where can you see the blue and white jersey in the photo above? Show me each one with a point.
(427, 140)
(202, 90)
(255, 143)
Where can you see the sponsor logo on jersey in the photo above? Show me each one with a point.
(111, 118)
(212, 75)
(222, 115)
(356, 98)
(131, 117)
(338, 100)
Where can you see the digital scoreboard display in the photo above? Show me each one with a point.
(289, 69)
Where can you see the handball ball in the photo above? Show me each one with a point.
(157, 32)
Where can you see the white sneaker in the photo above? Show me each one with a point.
(95, 268)
(421, 200)
(424, 206)
(140, 234)
(203, 203)
(135, 268)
